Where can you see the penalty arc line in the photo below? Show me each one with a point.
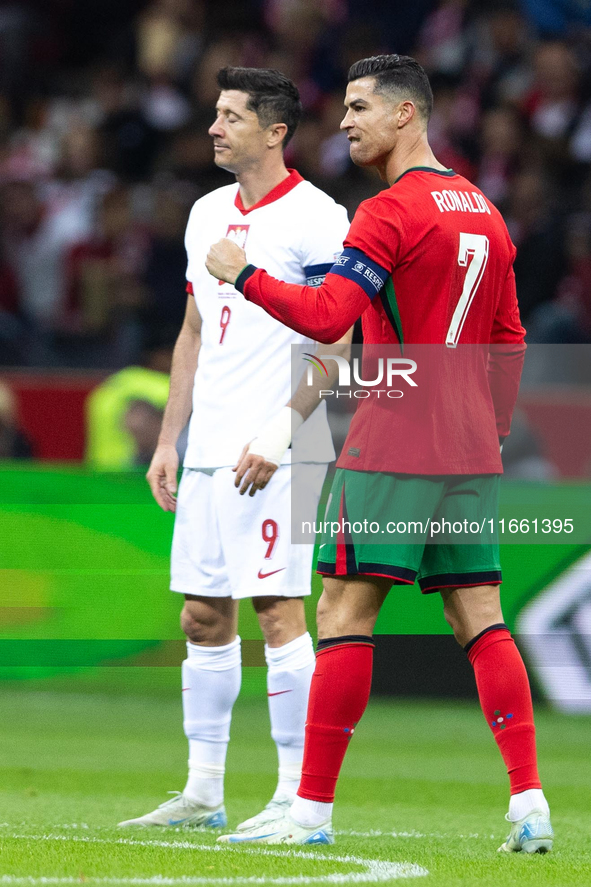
(376, 870)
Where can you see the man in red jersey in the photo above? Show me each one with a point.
(427, 261)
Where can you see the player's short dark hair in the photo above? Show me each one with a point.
(397, 73)
(271, 95)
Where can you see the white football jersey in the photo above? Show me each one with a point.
(244, 373)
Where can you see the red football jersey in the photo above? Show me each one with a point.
(427, 261)
(450, 258)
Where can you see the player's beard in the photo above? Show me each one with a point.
(371, 152)
(362, 155)
(356, 153)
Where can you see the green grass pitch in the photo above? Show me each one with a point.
(421, 798)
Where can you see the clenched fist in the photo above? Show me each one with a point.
(225, 260)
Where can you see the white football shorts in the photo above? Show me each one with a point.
(228, 545)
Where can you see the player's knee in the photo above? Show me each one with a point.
(458, 624)
(455, 623)
(323, 614)
(281, 619)
(470, 611)
(272, 624)
(349, 607)
(450, 616)
(204, 626)
(335, 618)
(193, 627)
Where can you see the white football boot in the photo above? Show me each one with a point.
(181, 812)
(275, 809)
(532, 834)
(284, 830)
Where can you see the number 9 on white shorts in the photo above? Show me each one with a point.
(228, 545)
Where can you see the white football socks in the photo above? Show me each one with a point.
(522, 804)
(310, 813)
(290, 670)
(211, 683)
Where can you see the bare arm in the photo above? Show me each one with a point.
(162, 473)
(253, 469)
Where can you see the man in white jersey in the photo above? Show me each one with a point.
(232, 366)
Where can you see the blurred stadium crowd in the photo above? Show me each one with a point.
(104, 112)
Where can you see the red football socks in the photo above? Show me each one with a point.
(505, 698)
(338, 696)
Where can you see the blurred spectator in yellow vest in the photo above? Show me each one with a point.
(143, 420)
(111, 441)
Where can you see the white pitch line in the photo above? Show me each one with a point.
(351, 833)
(378, 833)
(376, 870)
(372, 833)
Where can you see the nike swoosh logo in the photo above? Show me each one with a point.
(177, 821)
(279, 692)
(235, 839)
(272, 573)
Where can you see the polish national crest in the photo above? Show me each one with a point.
(238, 233)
